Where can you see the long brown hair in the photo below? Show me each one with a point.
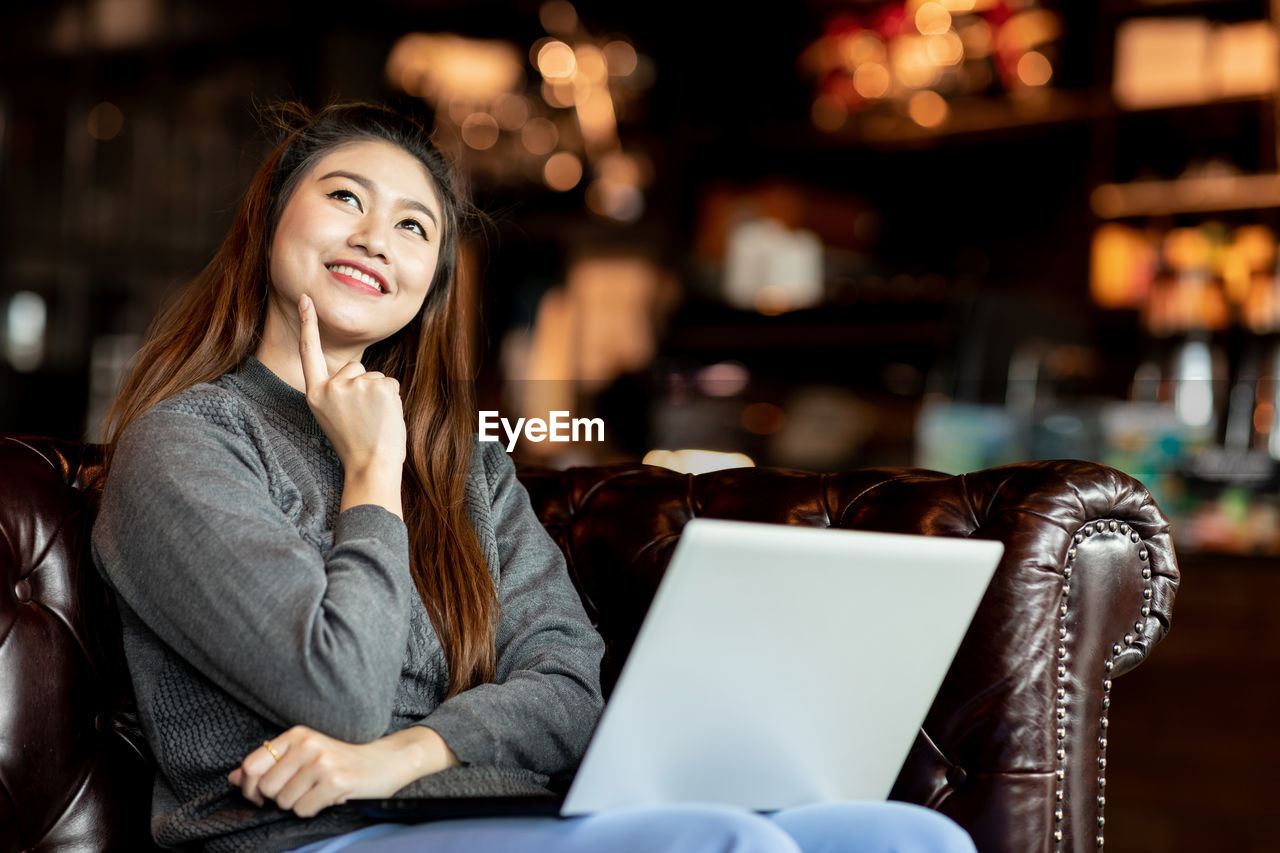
(218, 322)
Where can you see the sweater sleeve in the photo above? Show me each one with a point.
(544, 703)
(189, 536)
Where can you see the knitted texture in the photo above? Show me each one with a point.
(250, 603)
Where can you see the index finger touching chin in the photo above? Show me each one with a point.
(314, 369)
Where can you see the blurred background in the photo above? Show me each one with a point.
(819, 234)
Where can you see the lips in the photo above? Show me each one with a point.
(359, 277)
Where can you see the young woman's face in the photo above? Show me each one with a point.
(361, 235)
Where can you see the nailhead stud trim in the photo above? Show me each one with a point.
(1129, 639)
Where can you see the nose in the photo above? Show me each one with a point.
(371, 237)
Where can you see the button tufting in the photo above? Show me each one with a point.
(956, 777)
(22, 591)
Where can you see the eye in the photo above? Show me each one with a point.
(346, 197)
(415, 226)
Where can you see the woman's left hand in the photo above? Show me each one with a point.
(315, 771)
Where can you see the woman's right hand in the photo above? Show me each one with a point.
(361, 413)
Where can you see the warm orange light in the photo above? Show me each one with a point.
(1233, 266)
(977, 39)
(443, 68)
(620, 167)
(480, 131)
(1258, 245)
(1264, 418)
(927, 108)
(1028, 29)
(539, 136)
(862, 47)
(958, 5)
(933, 19)
(1121, 265)
(871, 80)
(697, 461)
(558, 93)
(945, 48)
(459, 108)
(911, 63)
(621, 58)
(596, 117)
(562, 171)
(1187, 248)
(772, 300)
(511, 111)
(1034, 68)
(536, 48)
(558, 16)
(827, 113)
(556, 60)
(591, 63)
(763, 418)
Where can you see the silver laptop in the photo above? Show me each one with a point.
(778, 665)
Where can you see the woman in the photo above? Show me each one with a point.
(328, 590)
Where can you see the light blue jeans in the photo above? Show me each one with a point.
(863, 827)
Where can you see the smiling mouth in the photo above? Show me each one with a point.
(357, 275)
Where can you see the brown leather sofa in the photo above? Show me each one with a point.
(1014, 747)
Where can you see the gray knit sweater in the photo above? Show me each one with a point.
(249, 605)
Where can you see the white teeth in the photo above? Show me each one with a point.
(356, 274)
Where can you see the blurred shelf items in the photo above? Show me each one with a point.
(913, 59)
(559, 129)
(947, 233)
(1191, 248)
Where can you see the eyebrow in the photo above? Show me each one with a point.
(368, 185)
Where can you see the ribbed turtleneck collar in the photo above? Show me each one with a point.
(256, 381)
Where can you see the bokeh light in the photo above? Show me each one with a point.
(591, 63)
(618, 201)
(911, 63)
(539, 136)
(556, 60)
(558, 16)
(563, 171)
(977, 38)
(945, 48)
(105, 121)
(763, 418)
(772, 300)
(927, 108)
(511, 111)
(621, 58)
(723, 379)
(1034, 68)
(558, 93)
(25, 321)
(445, 68)
(933, 19)
(697, 461)
(861, 48)
(872, 80)
(480, 131)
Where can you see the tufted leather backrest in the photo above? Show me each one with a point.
(72, 771)
(1013, 747)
